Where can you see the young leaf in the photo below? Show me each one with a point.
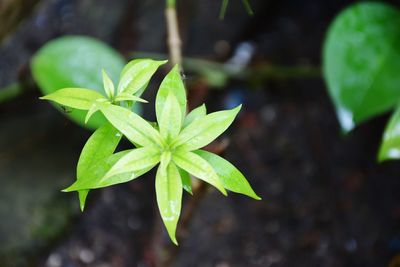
(93, 175)
(195, 114)
(136, 74)
(172, 83)
(79, 98)
(390, 145)
(108, 85)
(171, 121)
(134, 127)
(100, 145)
(362, 60)
(230, 176)
(198, 167)
(93, 109)
(204, 130)
(186, 181)
(137, 159)
(169, 196)
(126, 97)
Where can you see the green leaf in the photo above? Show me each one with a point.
(195, 114)
(136, 74)
(198, 167)
(134, 127)
(100, 145)
(108, 85)
(248, 8)
(230, 176)
(186, 181)
(136, 160)
(79, 98)
(224, 6)
(204, 130)
(169, 197)
(172, 83)
(361, 62)
(75, 61)
(93, 176)
(171, 121)
(390, 145)
(125, 97)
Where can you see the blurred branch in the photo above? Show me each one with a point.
(174, 39)
(217, 74)
(12, 12)
(11, 91)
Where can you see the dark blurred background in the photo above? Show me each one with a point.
(326, 202)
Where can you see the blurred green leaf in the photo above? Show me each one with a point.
(172, 83)
(100, 145)
(169, 196)
(362, 62)
(75, 61)
(204, 130)
(230, 176)
(198, 167)
(136, 74)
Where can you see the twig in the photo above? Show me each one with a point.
(174, 39)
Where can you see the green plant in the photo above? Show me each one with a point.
(361, 65)
(173, 143)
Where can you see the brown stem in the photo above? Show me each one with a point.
(174, 39)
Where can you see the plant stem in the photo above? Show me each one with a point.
(174, 40)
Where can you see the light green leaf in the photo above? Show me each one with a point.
(390, 145)
(93, 109)
(134, 127)
(172, 83)
(79, 98)
(198, 167)
(75, 61)
(195, 114)
(100, 145)
(93, 175)
(171, 121)
(126, 97)
(204, 130)
(136, 74)
(361, 62)
(230, 176)
(169, 197)
(108, 85)
(186, 181)
(137, 159)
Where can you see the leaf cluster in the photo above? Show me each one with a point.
(172, 144)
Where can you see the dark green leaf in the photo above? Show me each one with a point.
(230, 176)
(186, 181)
(362, 62)
(75, 61)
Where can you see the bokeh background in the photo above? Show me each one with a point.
(326, 202)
